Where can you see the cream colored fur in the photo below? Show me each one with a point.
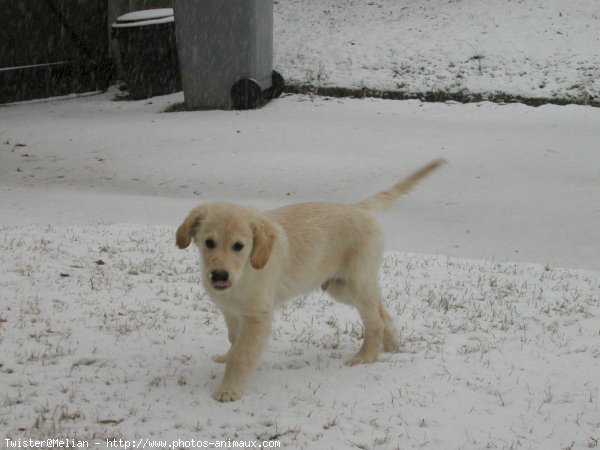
(286, 252)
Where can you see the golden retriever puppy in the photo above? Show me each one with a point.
(254, 261)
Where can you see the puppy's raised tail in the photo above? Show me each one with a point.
(385, 199)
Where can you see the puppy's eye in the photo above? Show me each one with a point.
(210, 243)
(238, 246)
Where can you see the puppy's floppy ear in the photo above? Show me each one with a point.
(189, 225)
(264, 234)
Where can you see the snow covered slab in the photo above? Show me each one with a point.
(521, 183)
(106, 333)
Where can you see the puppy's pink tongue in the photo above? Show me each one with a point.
(221, 284)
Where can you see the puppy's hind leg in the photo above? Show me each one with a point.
(367, 299)
(390, 335)
(233, 325)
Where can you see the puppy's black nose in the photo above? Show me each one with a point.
(219, 275)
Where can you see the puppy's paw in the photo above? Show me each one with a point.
(391, 345)
(362, 359)
(220, 359)
(227, 394)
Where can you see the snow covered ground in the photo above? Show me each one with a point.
(107, 335)
(547, 49)
(106, 332)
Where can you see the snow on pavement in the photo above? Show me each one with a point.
(521, 184)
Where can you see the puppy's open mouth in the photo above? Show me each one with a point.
(221, 285)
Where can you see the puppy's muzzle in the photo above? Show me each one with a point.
(220, 279)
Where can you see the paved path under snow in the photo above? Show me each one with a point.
(523, 183)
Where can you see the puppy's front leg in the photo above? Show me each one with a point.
(232, 333)
(243, 356)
